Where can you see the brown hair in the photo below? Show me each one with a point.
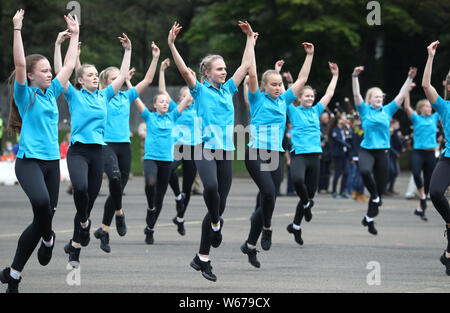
(297, 100)
(205, 65)
(103, 77)
(15, 120)
(79, 73)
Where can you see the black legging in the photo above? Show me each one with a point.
(305, 169)
(268, 183)
(341, 168)
(374, 169)
(215, 169)
(422, 160)
(156, 175)
(40, 182)
(85, 164)
(117, 167)
(440, 180)
(189, 172)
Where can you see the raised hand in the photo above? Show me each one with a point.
(288, 77)
(412, 72)
(358, 70)
(62, 36)
(333, 68)
(246, 28)
(155, 50)
(165, 64)
(18, 18)
(131, 74)
(432, 48)
(309, 47)
(72, 24)
(125, 41)
(279, 65)
(173, 33)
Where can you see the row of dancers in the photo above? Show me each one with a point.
(100, 142)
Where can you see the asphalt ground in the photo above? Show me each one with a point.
(338, 255)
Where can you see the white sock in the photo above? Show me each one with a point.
(48, 244)
(87, 225)
(424, 198)
(215, 228)
(369, 219)
(180, 220)
(376, 200)
(419, 210)
(296, 227)
(306, 205)
(14, 274)
(180, 196)
(203, 259)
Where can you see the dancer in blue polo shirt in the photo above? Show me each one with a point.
(158, 154)
(264, 152)
(423, 157)
(213, 101)
(34, 114)
(440, 180)
(187, 134)
(117, 152)
(374, 153)
(306, 146)
(87, 106)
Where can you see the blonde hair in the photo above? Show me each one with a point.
(370, 92)
(80, 72)
(420, 104)
(103, 77)
(205, 64)
(265, 77)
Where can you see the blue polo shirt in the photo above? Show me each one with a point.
(158, 140)
(88, 114)
(187, 127)
(425, 129)
(375, 123)
(117, 127)
(268, 119)
(215, 108)
(305, 128)
(40, 115)
(443, 108)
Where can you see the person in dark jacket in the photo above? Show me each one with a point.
(339, 149)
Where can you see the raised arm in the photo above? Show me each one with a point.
(78, 64)
(289, 79)
(138, 102)
(355, 85)
(185, 103)
(334, 69)
(304, 72)
(278, 66)
(162, 80)
(57, 58)
(429, 90)
(245, 85)
(252, 81)
(18, 52)
(407, 103)
(125, 67)
(248, 56)
(190, 80)
(405, 88)
(71, 55)
(148, 79)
